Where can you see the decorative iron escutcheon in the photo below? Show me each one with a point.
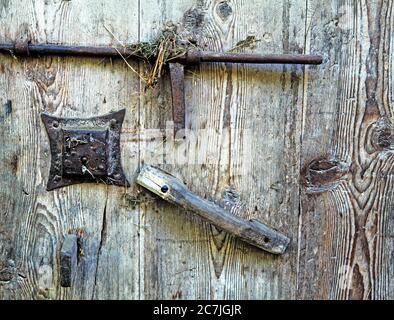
(85, 150)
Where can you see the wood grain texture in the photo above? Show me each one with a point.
(346, 245)
(308, 150)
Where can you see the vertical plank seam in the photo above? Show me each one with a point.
(303, 106)
(140, 286)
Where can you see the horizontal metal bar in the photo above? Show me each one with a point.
(6, 47)
(65, 50)
(260, 59)
(192, 56)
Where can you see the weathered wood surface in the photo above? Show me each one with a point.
(307, 150)
(346, 245)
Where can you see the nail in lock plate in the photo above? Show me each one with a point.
(85, 150)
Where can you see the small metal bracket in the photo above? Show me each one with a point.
(85, 150)
(177, 75)
(68, 260)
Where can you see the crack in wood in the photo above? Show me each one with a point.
(103, 236)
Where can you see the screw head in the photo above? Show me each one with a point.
(117, 176)
(112, 123)
(55, 124)
(164, 189)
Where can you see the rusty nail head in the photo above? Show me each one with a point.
(113, 123)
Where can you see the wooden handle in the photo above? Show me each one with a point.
(251, 231)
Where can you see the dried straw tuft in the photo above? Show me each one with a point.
(167, 45)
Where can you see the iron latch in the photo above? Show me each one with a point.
(85, 150)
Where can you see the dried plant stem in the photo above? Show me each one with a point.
(115, 37)
(131, 68)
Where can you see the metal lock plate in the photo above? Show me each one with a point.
(85, 150)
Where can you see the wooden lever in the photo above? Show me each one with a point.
(171, 189)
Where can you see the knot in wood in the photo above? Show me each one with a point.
(383, 134)
(322, 173)
(224, 10)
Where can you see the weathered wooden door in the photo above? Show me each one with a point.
(307, 150)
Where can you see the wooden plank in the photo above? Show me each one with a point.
(34, 221)
(346, 222)
(241, 150)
